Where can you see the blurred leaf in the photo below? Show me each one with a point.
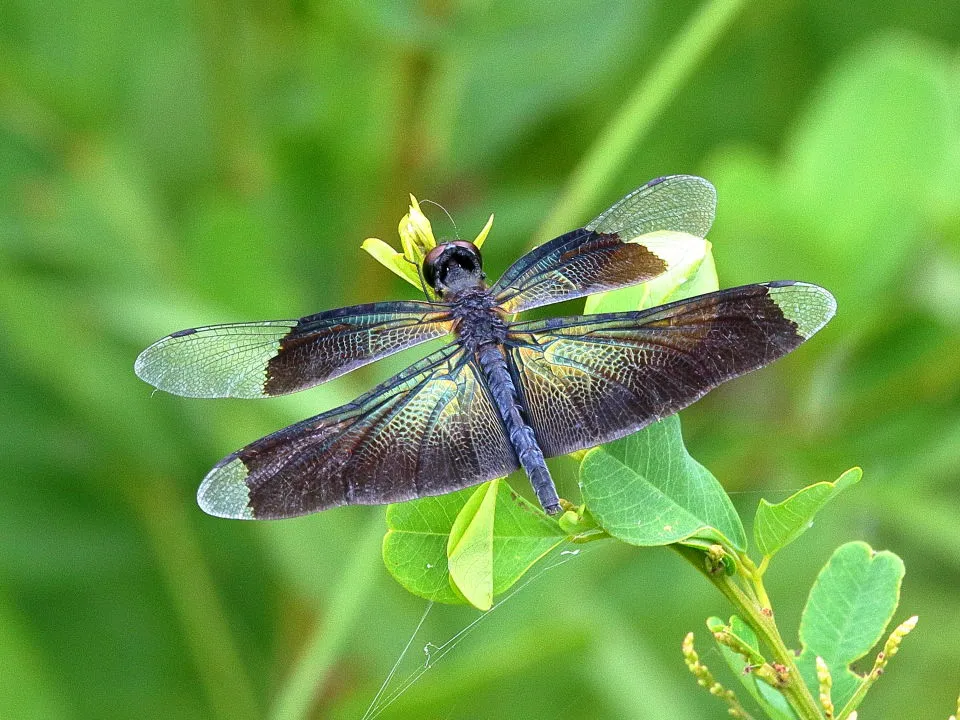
(776, 526)
(415, 547)
(862, 167)
(527, 57)
(850, 605)
(773, 703)
(646, 489)
(874, 144)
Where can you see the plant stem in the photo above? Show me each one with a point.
(854, 702)
(193, 592)
(755, 575)
(610, 151)
(297, 696)
(890, 648)
(751, 610)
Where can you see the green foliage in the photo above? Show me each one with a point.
(776, 526)
(850, 605)
(771, 701)
(470, 547)
(646, 490)
(443, 548)
(167, 165)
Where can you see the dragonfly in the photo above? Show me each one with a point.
(504, 393)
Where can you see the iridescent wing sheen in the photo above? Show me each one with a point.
(606, 254)
(588, 380)
(262, 359)
(429, 430)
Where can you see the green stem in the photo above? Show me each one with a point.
(298, 694)
(755, 574)
(890, 648)
(206, 629)
(612, 148)
(752, 611)
(854, 702)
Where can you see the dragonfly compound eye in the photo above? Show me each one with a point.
(463, 255)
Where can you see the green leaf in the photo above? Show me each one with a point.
(418, 535)
(770, 700)
(776, 526)
(415, 546)
(849, 607)
(863, 132)
(646, 489)
(470, 547)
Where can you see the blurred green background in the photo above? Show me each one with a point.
(165, 164)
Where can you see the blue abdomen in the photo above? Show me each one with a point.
(493, 363)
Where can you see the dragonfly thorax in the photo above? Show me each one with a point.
(476, 318)
(453, 267)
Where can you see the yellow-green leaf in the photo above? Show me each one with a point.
(776, 526)
(470, 547)
(392, 260)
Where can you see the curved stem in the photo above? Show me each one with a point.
(755, 575)
(612, 148)
(300, 690)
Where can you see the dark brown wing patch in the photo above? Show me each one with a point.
(430, 430)
(592, 379)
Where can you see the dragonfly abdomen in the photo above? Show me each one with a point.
(494, 365)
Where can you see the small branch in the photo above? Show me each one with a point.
(756, 664)
(727, 638)
(760, 618)
(706, 680)
(890, 648)
(754, 574)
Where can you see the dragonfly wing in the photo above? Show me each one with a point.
(263, 359)
(609, 253)
(429, 430)
(682, 203)
(588, 380)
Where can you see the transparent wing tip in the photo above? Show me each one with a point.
(808, 306)
(214, 361)
(147, 367)
(224, 492)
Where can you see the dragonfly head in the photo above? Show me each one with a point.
(454, 265)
